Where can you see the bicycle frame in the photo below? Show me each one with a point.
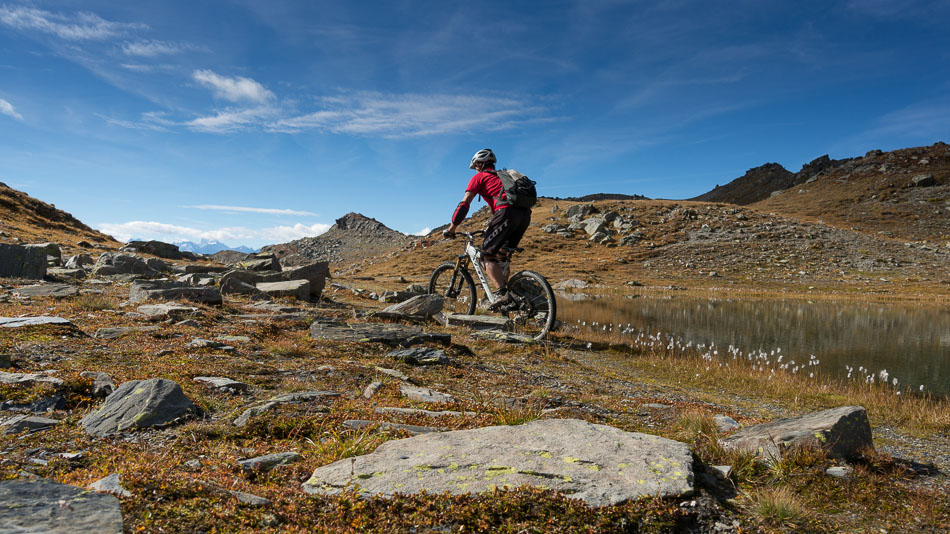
(472, 255)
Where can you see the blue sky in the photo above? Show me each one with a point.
(260, 122)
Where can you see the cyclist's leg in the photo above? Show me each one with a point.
(495, 238)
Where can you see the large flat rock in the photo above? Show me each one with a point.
(390, 334)
(600, 464)
(139, 404)
(143, 291)
(47, 290)
(18, 322)
(842, 431)
(35, 506)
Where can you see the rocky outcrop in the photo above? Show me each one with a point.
(139, 404)
(351, 238)
(390, 334)
(843, 432)
(113, 263)
(599, 464)
(18, 261)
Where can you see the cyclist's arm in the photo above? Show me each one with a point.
(461, 211)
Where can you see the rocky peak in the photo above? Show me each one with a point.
(359, 223)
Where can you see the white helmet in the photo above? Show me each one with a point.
(484, 155)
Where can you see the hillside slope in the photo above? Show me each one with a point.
(698, 245)
(761, 182)
(30, 220)
(903, 194)
(353, 237)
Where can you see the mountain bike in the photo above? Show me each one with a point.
(532, 310)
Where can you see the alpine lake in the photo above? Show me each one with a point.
(909, 342)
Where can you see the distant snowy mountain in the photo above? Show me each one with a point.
(209, 247)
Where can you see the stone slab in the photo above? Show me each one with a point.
(599, 464)
(18, 322)
(35, 506)
(27, 379)
(420, 356)
(478, 322)
(425, 395)
(47, 290)
(290, 288)
(390, 334)
(117, 332)
(19, 261)
(25, 423)
(360, 424)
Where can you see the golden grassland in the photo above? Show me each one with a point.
(607, 382)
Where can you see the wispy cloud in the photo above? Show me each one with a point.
(389, 115)
(244, 209)
(155, 48)
(231, 120)
(233, 89)
(81, 26)
(6, 108)
(233, 235)
(424, 232)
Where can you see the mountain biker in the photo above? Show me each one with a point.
(507, 226)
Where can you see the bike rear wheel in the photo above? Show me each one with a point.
(536, 308)
(456, 287)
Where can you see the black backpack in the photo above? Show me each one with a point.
(519, 191)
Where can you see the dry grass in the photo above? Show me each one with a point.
(777, 507)
(94, 302)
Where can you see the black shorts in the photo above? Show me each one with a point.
(506, 229)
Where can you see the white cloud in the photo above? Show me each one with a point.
(230, 120)
(424, 232)
(155, 48)
(270, 211)
(406, 115)
(78, 27)
(233, 235)
(234, 89)
(6, 108)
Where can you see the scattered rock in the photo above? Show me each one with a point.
(110, 484)
(420, 356)
(427, 413)
(371, 389)
(19, 322)
(572, 284)
(842, 431)
(398, 375)
(725, 423)
(269, 461)
(24, 423)
(923, 180)
(222, 384)
(143, 291)
(843, 472)
(200, 343)
(102, 384)
(599, 464)
(390, 334)
(79, 261)
(28, 379)
(249, 499)
(41, 505)
(166, 310)
(506, 337)
(422, 306)
(580, 210)
(113, 263)
(139, 404)
(479, 322)
(425, 395)
(291, 288)
(360, 424)
(254, 411)
(115, 333)
(304, 396)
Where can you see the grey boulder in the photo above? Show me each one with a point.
(420, 356)
(599, 464)
(290, 288)
(139, 404)
(35, 506)
(143, 291)
(422, 306)
(19, 261)
(111, 263)
(843, 432)
(391, 334)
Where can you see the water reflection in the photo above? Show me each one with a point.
(912, 342)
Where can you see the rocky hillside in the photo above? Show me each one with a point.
(28, 220)
(352, 238)
(761, 182)
(903, 194)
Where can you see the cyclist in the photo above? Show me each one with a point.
(507, 226)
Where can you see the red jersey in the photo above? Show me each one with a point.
(489, 186)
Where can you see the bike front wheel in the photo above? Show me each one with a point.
(536, 309)
(456, 288)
